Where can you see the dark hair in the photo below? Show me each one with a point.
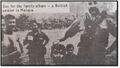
(94, 9)
(69, 46)
(38, 24)
(8, 17)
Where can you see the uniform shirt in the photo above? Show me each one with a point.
(36, 42)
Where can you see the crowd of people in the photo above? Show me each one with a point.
(96, 28)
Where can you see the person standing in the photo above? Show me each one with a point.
(11, 49)
(36, 40)
(94, 40)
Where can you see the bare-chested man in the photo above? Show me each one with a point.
(11, 50)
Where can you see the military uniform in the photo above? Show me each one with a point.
(36, 48)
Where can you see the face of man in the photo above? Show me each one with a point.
(34, 27)
(70, 50)
(93, 13)
(11, 24)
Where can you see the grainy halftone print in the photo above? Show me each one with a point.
(84, 34)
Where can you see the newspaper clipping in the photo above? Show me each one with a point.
(59, 33)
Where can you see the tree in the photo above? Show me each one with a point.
(23, 22)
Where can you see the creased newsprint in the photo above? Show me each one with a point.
(59, 33)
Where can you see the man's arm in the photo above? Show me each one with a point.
(72, 30)
(112, 28)
(27, 39)
(75, 27)
(20, 45)
(46, 39)
(113, 31)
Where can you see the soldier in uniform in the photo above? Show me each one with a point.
(105, 27)
(36, 41)
(94, 39)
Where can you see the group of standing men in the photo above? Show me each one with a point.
(92, 46)
(13, 48)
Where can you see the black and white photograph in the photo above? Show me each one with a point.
(59, 33)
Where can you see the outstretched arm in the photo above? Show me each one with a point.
(76, 26)
(72, 30)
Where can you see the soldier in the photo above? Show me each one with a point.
(11, 50)
(105, 27)
(94, 39)
(90, 23)
(36, 41)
